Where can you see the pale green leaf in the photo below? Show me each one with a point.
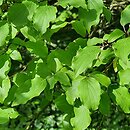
(11, 112)
(96, 5)
(5, 114)
(105, 57)
(52, 81)
(30, 33)
(124, 76)
(125, 19)
(75, 3)
(14, 31)
(58, 64)
(31, 6)
(89, 92)
(123, 65)
(36, 86)
(123, 98)
(122, 49)
(1, 1)
(84, 59)
(4, 89)
(94, 41)
(72, 92)
(62, 78)
(15, 55)
(117, 33)
(82, 118)
(4, 31)
(4, 66)
(101, 78)
(43, 16)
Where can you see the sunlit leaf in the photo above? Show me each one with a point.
(125, 19)
(4, 31)
(81, 113)
(89, 92)
(123, 98)
(43, 16)
(84, 59)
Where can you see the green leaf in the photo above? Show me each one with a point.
(82, 118)
(4, 66)
(54, 28)
(125, 19)
(5, 114)
(72, 92)
(4, 89)
(14, 31)
(89, 92)
(104, 57)
(36, 86)
(11, 95)
(122, 49)
(94, 41)
(116, 34)
(58, 64)
(63, 105)
(88, 17)
(4, 31)
(91, 15)
(101, 78)
(107, 13)
(39, 48)
(84, 59)
(105, 103)
(66, 122)
(65, 56)
(18, 15)
(79, 28)
(42, 69)
(75, 3)
(43, 16)
(123, 98)
(124, 76)
(15, 55)
(119, 63)
(30, 33)
(31, 6)
(52, 81)
(96, 5)
(62, 78)
(1, 2)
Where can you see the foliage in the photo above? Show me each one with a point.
(64, 64)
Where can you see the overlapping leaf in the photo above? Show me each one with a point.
(89, 92)
(43, 16)
(4, 31)
(5, 114)
(123, 98)
(82, 118)
(122, 49)
(125, 19)
(4, 89)
(32, 88)
(84, 59)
